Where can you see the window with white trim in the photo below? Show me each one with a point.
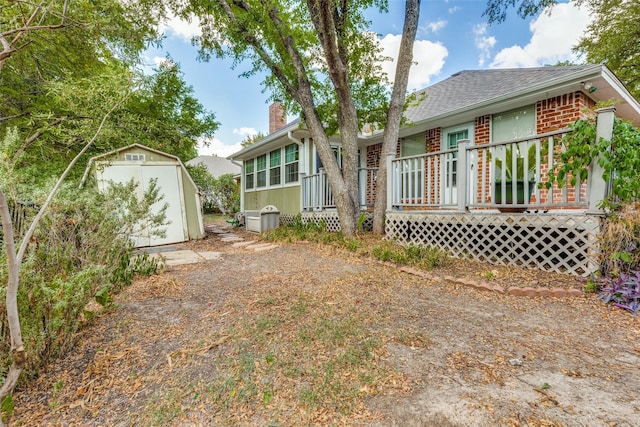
(134, 157)
(275, 167)
(248, 174)
(291, 158)
(261, 171)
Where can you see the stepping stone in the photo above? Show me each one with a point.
(232, 239)
(264, 248)
(258, 246)
(243, 244)
(210, 255)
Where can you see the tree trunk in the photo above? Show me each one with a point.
(396, 108)
(15, 332)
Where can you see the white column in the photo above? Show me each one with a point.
(597, 187)
(462, 180)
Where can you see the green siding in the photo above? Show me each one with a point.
(286, 199)
(191, 206)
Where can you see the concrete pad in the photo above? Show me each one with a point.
(180, 257)
(210, 255)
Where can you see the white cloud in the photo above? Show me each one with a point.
(428, 58)
(186, 30)
(218, 148)
(436, 26)
(483, 42)
(454, 9)
(244, 131)
(554, 33)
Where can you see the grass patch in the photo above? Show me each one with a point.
(365, 244)
(314, 355)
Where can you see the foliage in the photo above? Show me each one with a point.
(496, 11)
(57, 86)
(80, 250)
(623, 291)
(364, 244)
(216, 194)
(619, 159)
(251, 139)
(612, 39)
(619, 241)
(520, 172)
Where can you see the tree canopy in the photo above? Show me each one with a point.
(60, 76)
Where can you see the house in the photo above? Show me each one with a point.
(179, 192)
(217, 166)
(451, 182)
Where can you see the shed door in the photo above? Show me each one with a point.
(170, 186)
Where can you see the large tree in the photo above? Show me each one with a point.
(396, 109)
(611, 38)
(328, 71)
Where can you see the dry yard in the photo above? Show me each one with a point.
(307, 335)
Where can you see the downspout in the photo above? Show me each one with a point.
(241, 165)
(303, 164)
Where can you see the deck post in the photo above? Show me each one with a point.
(462, 180)
(597, 187)
(390, 181)
(303, 191)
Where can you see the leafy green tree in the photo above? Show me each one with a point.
(226, 193)
(329, 71)
(613, 38)
(251, 139)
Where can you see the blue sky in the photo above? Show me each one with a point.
(452, 36)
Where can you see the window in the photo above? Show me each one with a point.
(275, 158)
(134, 157)
(248, 174)
(513, 124)
(450, 138)
(291, 156)
(413, 145)
(261, 167)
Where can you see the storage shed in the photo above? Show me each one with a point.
(180, 192)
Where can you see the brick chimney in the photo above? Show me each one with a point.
(277, 116)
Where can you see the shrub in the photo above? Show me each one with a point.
(623, 291)
(80, 250)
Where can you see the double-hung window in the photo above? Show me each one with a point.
(261, 168)
(249, 174)
(291, 157)
(275, 162)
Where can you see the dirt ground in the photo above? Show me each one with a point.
(446, 355)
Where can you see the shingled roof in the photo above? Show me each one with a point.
(217, 166)
(467, 88)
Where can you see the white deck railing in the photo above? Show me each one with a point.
(317, 194)
(478, 177)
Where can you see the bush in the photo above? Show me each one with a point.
(79, 249)
(623, 291)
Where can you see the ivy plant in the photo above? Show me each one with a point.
(619, 159)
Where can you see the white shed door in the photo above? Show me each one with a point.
(169, 183)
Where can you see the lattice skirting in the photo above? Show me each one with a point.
(563, 243)
(329, 218)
